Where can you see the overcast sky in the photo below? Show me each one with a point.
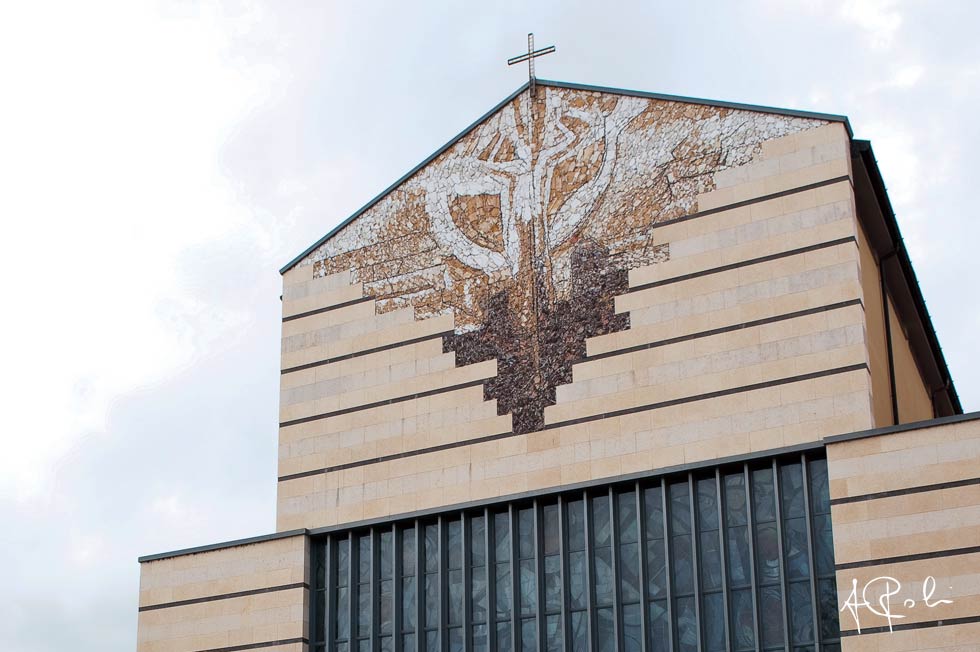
(159, 161)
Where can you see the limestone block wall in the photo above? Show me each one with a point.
(913, 400)
(874, 313)
(906, 508)
(359, 390)
(250, 596)
(750, 336)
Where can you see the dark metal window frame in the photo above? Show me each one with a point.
(324, 559)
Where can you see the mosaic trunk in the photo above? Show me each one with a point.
(525, 229)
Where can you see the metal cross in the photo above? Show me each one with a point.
(529, 57)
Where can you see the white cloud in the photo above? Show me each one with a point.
(881, 19)
(85, 549)
(908, 76)
(112, 126)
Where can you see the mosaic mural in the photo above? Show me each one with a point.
(526, 227)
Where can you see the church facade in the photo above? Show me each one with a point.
(608, 371)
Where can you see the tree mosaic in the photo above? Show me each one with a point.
(526, 227)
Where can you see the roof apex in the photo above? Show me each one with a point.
(830, 117)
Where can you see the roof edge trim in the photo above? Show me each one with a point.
(867, 155)
(830, 117)
(903, 427)
(405, 177)
(223, 545)
(814, 115)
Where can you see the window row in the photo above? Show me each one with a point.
(736, 558)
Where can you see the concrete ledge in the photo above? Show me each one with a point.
(903, 427)
(225, 544)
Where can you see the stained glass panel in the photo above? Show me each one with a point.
(735, 559)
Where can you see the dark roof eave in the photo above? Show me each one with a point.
(864, 150)
(557, 84)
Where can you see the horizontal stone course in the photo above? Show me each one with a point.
(388, 329)
(768, 185)
(805, 335)
(732, 425)
(685, 375)
(949, 638)
(742, 234)
(369, 396)
(354, 321)
(415, 415)
(379, 375)
(744, 280)
(461, 431)
(213, 617)
(337, 296)
(905, 459)
(956, 579)
(788, 154)
(904, 516)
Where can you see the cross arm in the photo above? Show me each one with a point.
(529, 55)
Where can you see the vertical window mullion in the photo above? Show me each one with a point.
(375, 588)
(589, 571)
(823, 552)
(784, 583)
(328, 598)
(515, 579)
(539, 574)
(668, 571)
(565, 618)
(723, 549)
(738, 561)
(811, 556)
(641, 534)
(443, 587)
(420, 645)
(695, 563)
(489, 523)
(752, 573)
(554, 578)
(315, 560)
(397, 571)
(615, 570)
(467, 582)
(353, 580)
(576, 596)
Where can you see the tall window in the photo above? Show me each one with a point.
(478, 582)
(734, 558)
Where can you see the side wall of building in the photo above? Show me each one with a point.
(912, 399)
(250, 596)
(751, 337)
(874, 311)
(906, 519)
